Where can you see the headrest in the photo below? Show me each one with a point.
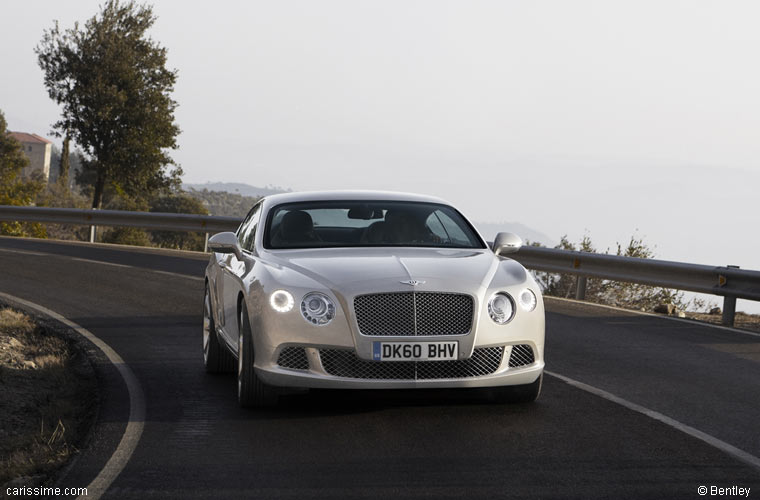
(296, 223)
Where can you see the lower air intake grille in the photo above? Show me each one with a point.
(294, 358)
(522, 355)
(345, 363)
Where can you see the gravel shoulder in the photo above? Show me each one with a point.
(49, 401)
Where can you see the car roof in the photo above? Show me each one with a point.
(363, 195)
(269, 202)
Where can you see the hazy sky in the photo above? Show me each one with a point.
(606, 117)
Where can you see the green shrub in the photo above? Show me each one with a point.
(616, 293)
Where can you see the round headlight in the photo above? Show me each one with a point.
(501, 308)
(281, 301)
(317, 308)
(527, 300)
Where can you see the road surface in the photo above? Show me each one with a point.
(197, 443)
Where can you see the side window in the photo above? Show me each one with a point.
(247, 231)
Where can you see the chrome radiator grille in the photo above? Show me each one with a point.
(345, 363)
(414, 313)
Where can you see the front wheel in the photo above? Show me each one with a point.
(216, 357)
(526, 393)
(252, 392)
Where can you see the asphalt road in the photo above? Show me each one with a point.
(197, 443)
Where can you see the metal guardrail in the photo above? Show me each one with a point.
(146, 220)
(727, 281)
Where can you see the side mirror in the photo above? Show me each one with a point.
(225, 243)
(505, 243)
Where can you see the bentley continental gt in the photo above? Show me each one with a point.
(369, 290)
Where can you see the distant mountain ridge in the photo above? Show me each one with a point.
(237, 188)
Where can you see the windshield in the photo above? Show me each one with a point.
(321, 224)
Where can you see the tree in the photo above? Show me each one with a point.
(564, 285)
(179, 203)
(13, 189)
(73, 164)
(58, 194)
(224, 203)
(637, 296)
(616, 293)
(112, 83)
(63, 166)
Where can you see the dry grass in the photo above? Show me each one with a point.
(48, 399)
(741, 320)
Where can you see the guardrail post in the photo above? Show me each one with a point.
(580, 288)
(93, 231)
(205, 244)
(729, 308)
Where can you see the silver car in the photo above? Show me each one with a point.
(369, 290)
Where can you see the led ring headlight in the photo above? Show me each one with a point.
(527, 300)
(501, 308)
(281, 301)
(317, 308)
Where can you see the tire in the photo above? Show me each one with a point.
(252, 392)
(526, 393)
(216, 357)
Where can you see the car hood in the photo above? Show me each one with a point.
(385, 269)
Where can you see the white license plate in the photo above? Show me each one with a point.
(414, 351)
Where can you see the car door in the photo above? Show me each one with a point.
(235, 270)
(222, 261)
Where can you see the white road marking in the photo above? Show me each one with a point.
(132, 433)
(178, 275)
(659, 316)
(91, 261)
(735, 452)
(23, 252)
(105, 263)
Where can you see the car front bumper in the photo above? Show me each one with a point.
(399, 374)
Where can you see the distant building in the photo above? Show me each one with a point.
(38, 150)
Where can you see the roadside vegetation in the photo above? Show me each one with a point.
(634, 296)
(224, 203)
(65, 193)
(617, 293)
(741, 320)
(118, 129)
(14, 190)
(49, 401)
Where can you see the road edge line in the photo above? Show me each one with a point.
(133, 431)
(731, 450)
(690, 321)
